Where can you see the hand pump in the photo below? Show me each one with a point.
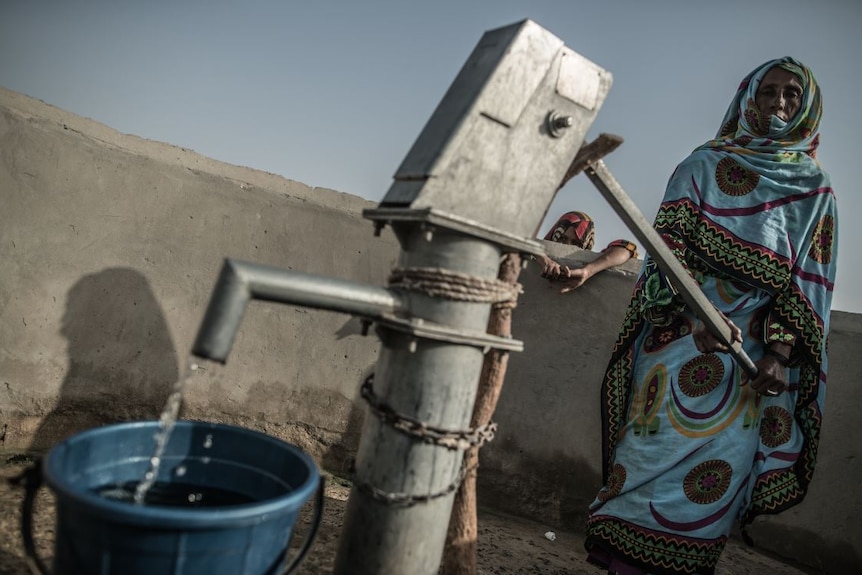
(476, 184)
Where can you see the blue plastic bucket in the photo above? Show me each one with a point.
(256, 484)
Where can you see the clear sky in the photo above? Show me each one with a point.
(333, 93)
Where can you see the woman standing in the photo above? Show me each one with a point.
(690, 443)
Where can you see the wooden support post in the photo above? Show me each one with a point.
(459, 557)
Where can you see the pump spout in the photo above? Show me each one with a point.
(239, 281)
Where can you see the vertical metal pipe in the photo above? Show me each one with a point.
(431, 381)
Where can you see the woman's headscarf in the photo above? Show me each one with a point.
(745, 128)
(581, 224)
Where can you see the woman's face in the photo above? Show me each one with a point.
(779, 94)
(570, 237)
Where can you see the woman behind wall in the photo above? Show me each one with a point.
(690, 443)
(577, 229)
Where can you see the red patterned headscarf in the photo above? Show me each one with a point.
(582, 226)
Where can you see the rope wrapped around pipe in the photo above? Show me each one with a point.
(438, 282)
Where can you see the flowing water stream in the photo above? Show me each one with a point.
(167, 421)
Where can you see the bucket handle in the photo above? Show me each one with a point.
(312, 533)
(31, 478)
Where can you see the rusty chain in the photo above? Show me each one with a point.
(449, 438)
(408, 499)
(453, 439)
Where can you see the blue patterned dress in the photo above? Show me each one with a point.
(688, 450)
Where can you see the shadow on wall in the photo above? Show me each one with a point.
(122, 362)
(321, 418)
(558, 489)
(340, 456)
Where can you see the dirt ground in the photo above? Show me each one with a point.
(507, 545)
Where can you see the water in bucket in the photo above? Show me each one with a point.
(174, 494)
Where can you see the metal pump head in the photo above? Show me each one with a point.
(498, 145)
